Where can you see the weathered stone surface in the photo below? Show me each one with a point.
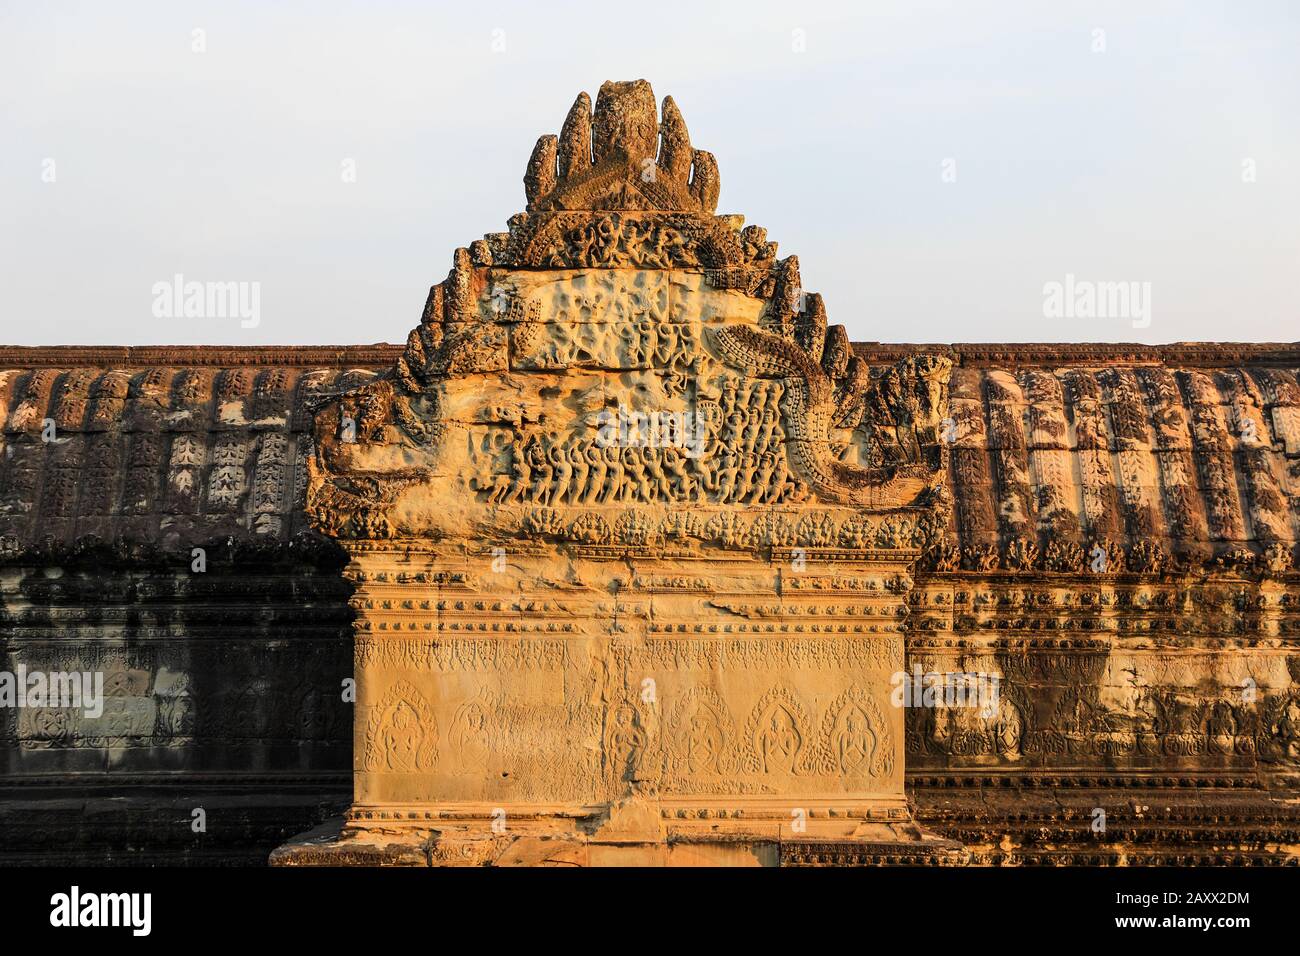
(222, 686)
(576, 510)
(574, 650)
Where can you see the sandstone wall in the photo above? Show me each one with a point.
(223, 686)
(1130, 687)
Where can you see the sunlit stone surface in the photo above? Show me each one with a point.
(628, 553)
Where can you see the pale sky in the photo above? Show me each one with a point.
(1170, 157)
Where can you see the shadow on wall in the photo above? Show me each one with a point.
(167, 707)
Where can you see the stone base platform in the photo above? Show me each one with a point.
(627, 835)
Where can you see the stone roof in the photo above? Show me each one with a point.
(1153, 454)
(1154, 460)
(164, 447)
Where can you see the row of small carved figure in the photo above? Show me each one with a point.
(814, 529)
(616, 240)
(1104, 556)
(547, 470)
(185, 720)
(699, 736)
(1269, 731)
(640, 343)
(734, 454)
(779, 738)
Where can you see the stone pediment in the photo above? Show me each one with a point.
(623, 367)
(623, 425)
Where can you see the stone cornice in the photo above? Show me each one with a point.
(377, 355)
(383, 354)
(1016, 355)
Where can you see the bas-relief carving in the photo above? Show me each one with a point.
(616, 290)
(401, 733)
(1184, 725)
(508, 743)
(508, 428)
(152, 701)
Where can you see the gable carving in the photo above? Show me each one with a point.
(623, 350)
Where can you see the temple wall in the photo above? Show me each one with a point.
(1162, 690)
(629, 545)
(222, 691)
(1141, 678)
(222, 676)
